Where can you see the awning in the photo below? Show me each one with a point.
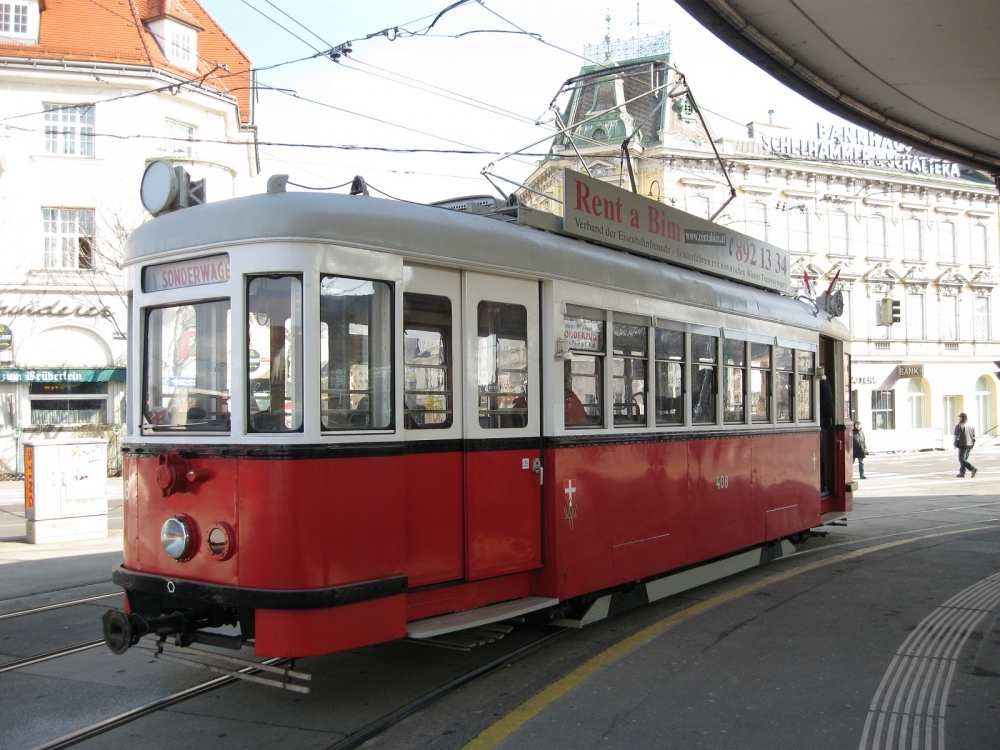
(97, 375)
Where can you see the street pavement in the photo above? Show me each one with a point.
(801, 653)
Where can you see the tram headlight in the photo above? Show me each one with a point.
(175, 536)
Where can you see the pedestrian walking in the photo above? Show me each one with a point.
(965, 439)
(860, 448)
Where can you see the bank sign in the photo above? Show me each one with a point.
(600, 212)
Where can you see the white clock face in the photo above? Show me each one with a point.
(159, 186)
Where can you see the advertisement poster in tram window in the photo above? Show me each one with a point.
(584, 335)
(597, 211)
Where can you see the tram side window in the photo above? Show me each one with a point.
(355, 354)
(734, 360)
(427, 402)
(760, 382)
(669, 351)
(582, 374)
(274, 354)
(806, 365)
(784, 363)
(187, 378)
(704, 357)
(502, 365)
(630, 344)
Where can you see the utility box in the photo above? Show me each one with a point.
(65, 490)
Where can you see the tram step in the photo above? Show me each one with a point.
(476, 618)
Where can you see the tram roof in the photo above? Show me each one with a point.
(446, 236)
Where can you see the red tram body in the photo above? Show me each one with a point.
(419, 460)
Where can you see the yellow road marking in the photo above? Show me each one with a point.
(501, 729)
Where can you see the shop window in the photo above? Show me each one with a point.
(582, 374)
(630, 346)
(427, 401)
(502, 365)
(917, 401)
(984, 406)
(274, 355)
(784, 363)
(805, 364)
(760, 382)
(68, 403)
(355, 354)
(669, 352)
(883, 410)
(704, 358)
(187, 378)
(734, 361)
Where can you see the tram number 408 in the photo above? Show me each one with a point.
(722, 481)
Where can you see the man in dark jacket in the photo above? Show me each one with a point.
(860, 448)
(965, 438)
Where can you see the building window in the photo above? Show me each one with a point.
(798, 230)
(760, 383)
(984, 405)
(68, 403)
(847, 318)
(916, 398)
(69, 130)
(757, 221)
(914, 316)
(583, 389)
(181, 138)
(980, 245)
(946, 242)
(839, 230)
(981, 318)
(180, 46)
(699, 205)
(949, 318)
(913, 248)
(883, 410)
(13, 18)
(877, 245)
(630, 344)
(69, 237)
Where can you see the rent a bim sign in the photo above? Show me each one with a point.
(603, 213)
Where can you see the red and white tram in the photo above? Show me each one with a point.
(351, 418)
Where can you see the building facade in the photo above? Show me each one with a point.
(856, 211)
(90, 94)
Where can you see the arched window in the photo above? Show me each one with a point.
(979, 245)
(913, 240)
(798, 230)
(699, 205)
(757, 220)
(877, 245)
(916, 399)
(946, 242)
(984, 406)
(839, 229)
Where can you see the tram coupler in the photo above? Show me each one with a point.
(122, 630)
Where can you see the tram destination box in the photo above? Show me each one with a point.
(65, 490)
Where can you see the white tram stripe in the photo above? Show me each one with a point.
(908, 708)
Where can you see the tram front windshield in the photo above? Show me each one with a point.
(187, 378)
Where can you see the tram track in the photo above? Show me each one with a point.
(59, 605)
(49, 655)
(352, 740)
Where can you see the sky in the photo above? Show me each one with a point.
(413, 92)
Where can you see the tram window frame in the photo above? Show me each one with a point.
(291, 418)
(734, 360)
(384, 397)
(629, 354)
(224, 420)
(423, 320)
(784, 376)
(670, 363)
(761, 361)
(587, 347)
(708, 365)
(805, 375)
(497, 416)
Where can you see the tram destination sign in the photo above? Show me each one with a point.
(597, 211)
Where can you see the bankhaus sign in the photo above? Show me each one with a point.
(597, 211)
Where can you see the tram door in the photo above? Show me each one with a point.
(503, 511)
(827, 416)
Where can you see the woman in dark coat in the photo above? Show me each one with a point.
(860, 448)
